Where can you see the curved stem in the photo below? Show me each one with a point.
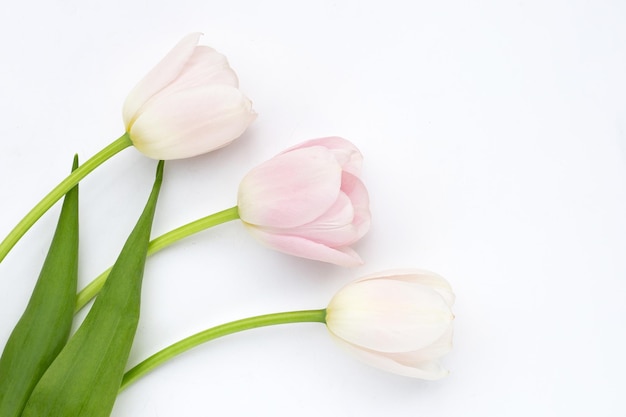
(60, 190)
(161, 242)
(314, 316)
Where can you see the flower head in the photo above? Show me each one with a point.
(308, 201)
(400, 322)
(189, 104)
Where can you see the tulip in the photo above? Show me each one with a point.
(189, 104)
(308, 201)
(400, 322)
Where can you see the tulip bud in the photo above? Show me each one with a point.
(308, 201)
(189, 104)
(400, 322)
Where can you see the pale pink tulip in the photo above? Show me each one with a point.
(400, 321)
(189, 104)
(308, 201)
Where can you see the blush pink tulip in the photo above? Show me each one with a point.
(308, 201)
(189, 104)
(400, 321)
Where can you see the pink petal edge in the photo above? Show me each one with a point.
(297, 246)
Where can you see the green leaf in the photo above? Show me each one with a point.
(43, 329)
(85, 378)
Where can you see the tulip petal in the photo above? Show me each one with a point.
(342, 225)
(356, 191)
(192, 122)
(434, 351)
(436, 282)
(388, 315)
(419, 276)
(395, 363)
(348, 155)
(290, 189)
(159, 77)
(205, 67)
(425, 360)
(333, 228)
(297, 246)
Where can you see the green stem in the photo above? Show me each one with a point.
(161, 242)
(312, 316)
(60, 190)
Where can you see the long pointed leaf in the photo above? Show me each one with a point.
(43, 329)
(85, 378)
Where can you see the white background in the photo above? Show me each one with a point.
(494, 135)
